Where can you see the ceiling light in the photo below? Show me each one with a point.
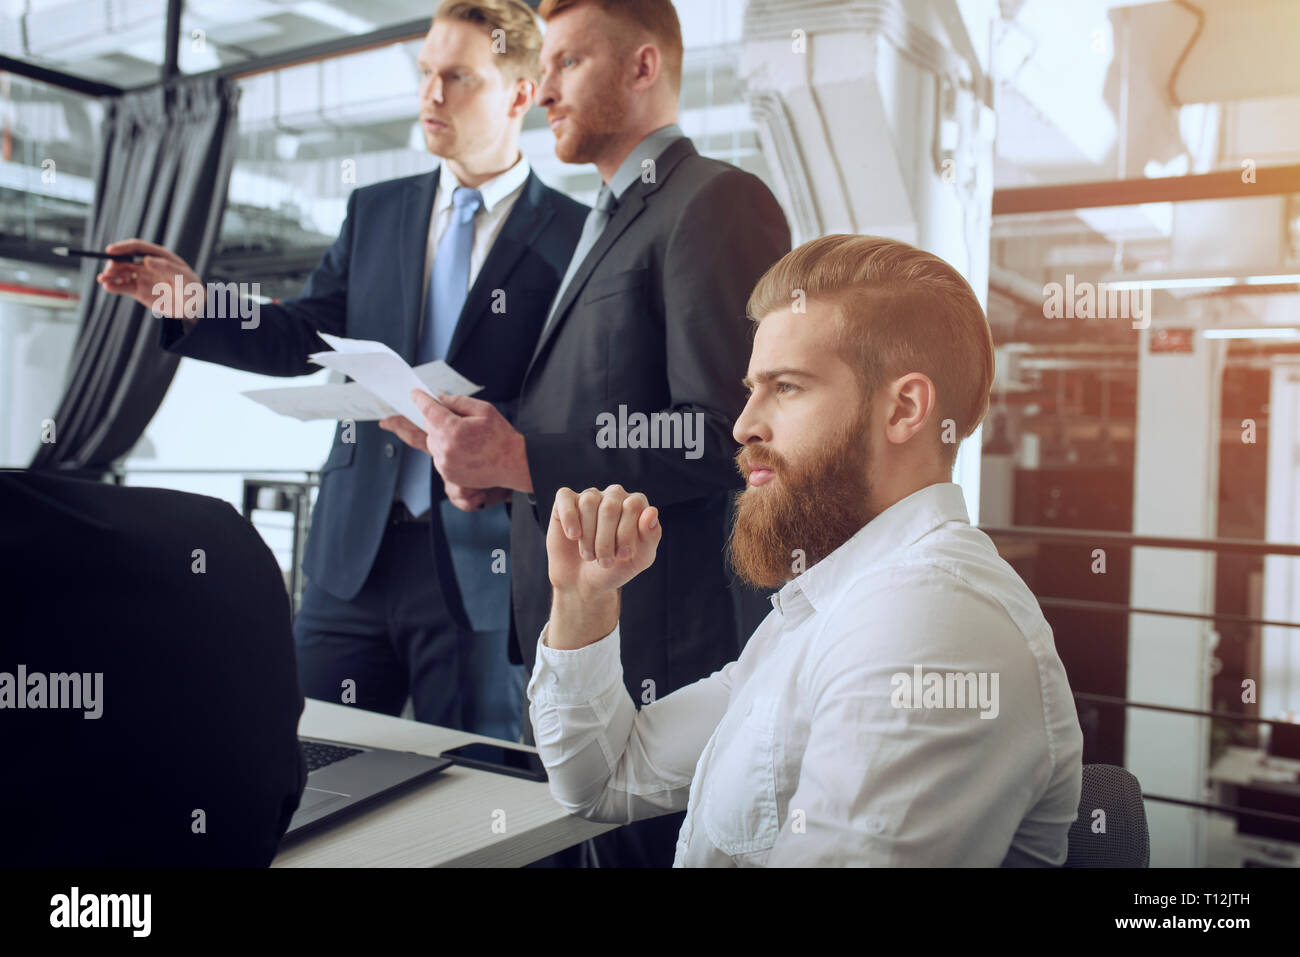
(1281, 280)
(1183, 282)
(1205, 282)
(1251, 333)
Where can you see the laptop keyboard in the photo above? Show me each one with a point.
(318, 755)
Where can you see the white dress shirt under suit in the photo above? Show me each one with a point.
(803, 752)
(499, 196)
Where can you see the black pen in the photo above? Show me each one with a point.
(93, 254)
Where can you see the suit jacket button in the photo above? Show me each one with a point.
(389, 450)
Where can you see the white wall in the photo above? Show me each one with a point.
(34, 347)
(205, 423)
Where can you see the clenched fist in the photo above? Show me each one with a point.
(599, 541)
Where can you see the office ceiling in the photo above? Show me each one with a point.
(121, 42)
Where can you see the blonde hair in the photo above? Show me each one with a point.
(518, 26)
(898, 309)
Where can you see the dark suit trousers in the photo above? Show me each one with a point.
(396, 637)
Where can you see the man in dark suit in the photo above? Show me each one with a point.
(406, 593)
(650, 321)
(160, 708)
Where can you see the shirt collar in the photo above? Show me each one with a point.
(650, 148)
(893, 530)
(493, 191)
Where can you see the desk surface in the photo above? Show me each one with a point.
(1243, 766)
(459, 818)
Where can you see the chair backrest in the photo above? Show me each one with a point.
(1124, 840)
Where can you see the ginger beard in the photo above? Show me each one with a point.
(590, 131)
(814, 505)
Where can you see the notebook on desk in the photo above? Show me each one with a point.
(343, 779)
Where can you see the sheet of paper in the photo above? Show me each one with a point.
(358, 346)
(438, 375)
(382, 385)
(385, 374)
(344, 400)
(381, 370)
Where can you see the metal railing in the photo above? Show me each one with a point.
(1110, 539)
(1082, 536)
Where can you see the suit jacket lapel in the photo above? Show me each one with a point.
(629, 208)
(627, 211)
(518, 232)
(413, 244)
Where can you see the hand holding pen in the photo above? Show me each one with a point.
(136, 267)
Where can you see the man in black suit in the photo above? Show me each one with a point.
(637, 377)
(158, 726)
(406, 593)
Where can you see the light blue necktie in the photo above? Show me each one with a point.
(443, 302)
(601, 213)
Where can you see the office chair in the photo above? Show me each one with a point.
(1126, 842)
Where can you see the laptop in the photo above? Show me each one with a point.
(345, 778)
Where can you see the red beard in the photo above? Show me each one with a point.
(589, 133)
(808, 510)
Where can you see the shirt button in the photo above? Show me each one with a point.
(389, 451)
(875, 825)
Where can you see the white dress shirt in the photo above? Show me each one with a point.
(804, 751)
(499, 197)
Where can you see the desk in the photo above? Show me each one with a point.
(445, 822)
(1240, 767)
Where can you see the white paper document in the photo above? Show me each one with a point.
(346, 400)
(382, 386)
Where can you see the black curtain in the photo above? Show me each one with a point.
(162, 177)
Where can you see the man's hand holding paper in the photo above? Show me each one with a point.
(472, 444)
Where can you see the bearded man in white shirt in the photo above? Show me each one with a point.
(903, 703)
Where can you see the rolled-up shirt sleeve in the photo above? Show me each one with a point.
(606, 760)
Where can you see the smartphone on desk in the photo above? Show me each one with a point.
(503, 760)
